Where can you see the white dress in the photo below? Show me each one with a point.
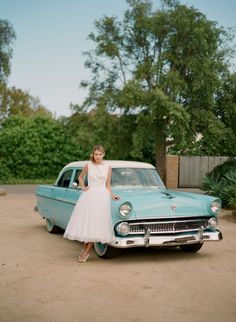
(91, 218)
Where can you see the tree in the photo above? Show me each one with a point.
(14, 101)
(164, 66)
(217, 131)
(7, 35)
(98, 126)
(226, 111)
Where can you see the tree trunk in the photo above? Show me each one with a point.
(160, 152)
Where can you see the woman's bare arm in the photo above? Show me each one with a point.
(108, 185)
(81, 177)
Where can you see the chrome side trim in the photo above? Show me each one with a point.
(56, 199)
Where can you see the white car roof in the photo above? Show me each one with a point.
(114, 164)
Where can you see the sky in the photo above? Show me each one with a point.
(48, 60)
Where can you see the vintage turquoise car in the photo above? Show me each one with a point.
(147, 214)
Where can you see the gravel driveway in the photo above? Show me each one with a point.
(41, 280)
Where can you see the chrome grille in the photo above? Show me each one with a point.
(173, 226)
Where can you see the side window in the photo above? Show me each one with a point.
(64, 180)
(75, 179)
(77, 173)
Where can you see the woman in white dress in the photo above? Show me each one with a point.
(91, 218)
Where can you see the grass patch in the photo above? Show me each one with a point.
(27, 181)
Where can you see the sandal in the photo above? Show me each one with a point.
(82, 252)
(83, 257)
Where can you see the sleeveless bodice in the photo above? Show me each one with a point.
(97, 175)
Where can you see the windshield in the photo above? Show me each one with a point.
(136, 177)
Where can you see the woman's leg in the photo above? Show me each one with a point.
(85, 252)
(84, 246)
(88, 247)
(83, 249)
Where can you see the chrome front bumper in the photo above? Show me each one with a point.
(148, 240)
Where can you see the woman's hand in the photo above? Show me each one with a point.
(115, 197)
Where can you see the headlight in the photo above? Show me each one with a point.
(215, 206)
(122, 228)
(125, 209)
(212, 223)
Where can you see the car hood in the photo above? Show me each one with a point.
(154, 202)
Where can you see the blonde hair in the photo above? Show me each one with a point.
(99, 148)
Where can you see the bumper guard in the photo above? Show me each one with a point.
(183, 239)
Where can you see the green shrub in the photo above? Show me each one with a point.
(221, 182)
(34, 148)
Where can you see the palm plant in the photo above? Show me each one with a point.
(221, 182)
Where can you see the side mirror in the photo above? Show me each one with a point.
(74, 185)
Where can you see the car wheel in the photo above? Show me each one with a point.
(105, 251)
(193, 248)
(52, 228)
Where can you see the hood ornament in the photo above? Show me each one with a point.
(173, 207)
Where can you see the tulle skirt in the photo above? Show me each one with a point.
(91, 218)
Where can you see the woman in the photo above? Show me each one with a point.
(91, 218)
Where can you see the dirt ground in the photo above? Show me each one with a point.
(41, 280)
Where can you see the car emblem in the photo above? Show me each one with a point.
(173, 207)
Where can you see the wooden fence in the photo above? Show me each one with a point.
(193, 169)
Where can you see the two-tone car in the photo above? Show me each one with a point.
(146, 215)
